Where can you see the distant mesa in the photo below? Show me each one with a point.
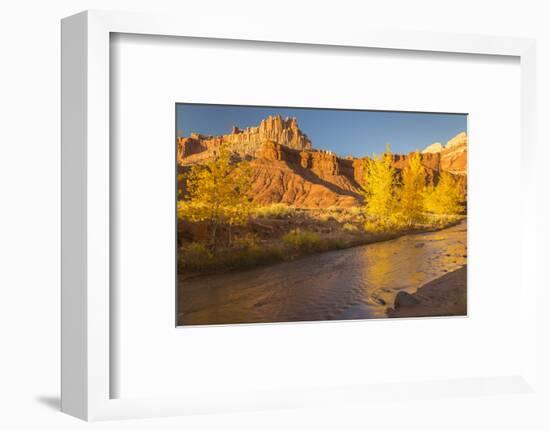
(284, 131)
(286, 168)
(454, 155)
(459, 141)
(436, 147)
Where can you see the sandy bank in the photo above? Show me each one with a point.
(445, 296)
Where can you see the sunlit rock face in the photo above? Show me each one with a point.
(286, 168)
(284, 131)
(304, 178)
(454, 155)
(436, 147)
(459, 141)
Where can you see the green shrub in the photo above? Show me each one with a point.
(248, 241)
(355, 212)
(393, 223)
(276, 211)
(325, 217)
(440, 221)
(245, 252)
(251, 256)
(378, 226)
(344, 217)
(350, 228)
(302, 240)
(195, 256)
(335, 244)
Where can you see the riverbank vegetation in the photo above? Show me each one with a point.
(220, 228)
(395, 201)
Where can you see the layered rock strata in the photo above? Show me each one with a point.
(286, 168)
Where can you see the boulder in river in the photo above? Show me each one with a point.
(404, 299)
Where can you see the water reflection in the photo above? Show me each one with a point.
(356, 283)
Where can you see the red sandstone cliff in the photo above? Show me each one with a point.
(285, 167)
(454, 155)
(244, 142)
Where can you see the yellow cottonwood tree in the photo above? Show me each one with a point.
(411, 204)
(216, 193)
(379, 189)
(447, 197)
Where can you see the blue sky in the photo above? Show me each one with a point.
(356, 133)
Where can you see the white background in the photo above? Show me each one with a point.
(245, 358)
(29, 223)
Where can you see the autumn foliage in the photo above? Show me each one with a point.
(411, 203)
(380, 188)
(216, 194)
(393, 200)
(214, 199)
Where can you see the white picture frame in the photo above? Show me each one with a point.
(86, 312)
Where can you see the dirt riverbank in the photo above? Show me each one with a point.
(355, 283)
(444, 296)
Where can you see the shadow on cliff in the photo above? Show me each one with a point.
(312, 177)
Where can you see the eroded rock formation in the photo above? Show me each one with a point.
(285, 167)
(454, 155)
(284, 131)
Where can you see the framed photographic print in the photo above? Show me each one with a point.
(255, 219)
(279, 225)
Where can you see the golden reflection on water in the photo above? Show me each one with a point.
(356, 283)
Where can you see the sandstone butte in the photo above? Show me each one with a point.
(286, 168)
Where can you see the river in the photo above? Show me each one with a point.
(355, 283)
